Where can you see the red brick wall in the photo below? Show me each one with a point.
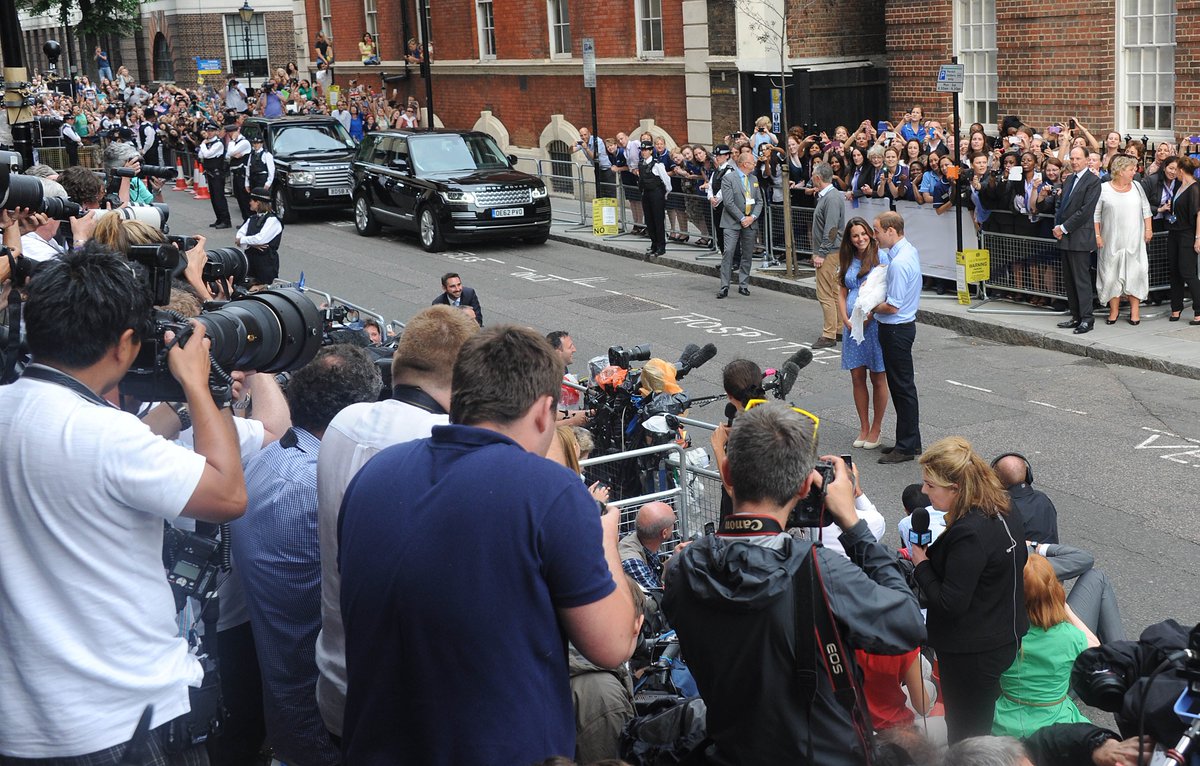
(1080, 39)
(620, 103)
(1187, 67)
(816, 29)
(919, 40)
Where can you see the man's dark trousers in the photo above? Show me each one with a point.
(896, 340)
(1077, 282)
(216, 196)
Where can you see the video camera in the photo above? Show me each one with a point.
(276, 330)
(621, 357)
(17, 191)
(1151, 684)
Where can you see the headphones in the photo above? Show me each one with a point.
(1025, 460)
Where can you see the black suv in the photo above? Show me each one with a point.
(312, 161)
(447, 185)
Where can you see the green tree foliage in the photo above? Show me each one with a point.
(98, 17)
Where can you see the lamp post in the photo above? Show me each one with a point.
(247, 14)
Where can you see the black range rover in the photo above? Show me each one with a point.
(448, 186)
(312, 162)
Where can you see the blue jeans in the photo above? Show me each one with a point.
(106, 73)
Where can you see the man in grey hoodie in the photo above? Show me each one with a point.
(732, 598)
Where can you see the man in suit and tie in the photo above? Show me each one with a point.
(741, 205)
(1076, 235)
(460, 297)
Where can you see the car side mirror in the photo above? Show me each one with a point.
(512, 160)
(400, 163)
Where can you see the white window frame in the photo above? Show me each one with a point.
(326, 12)
(642, 17)
(975, 42)
(552, 6)
(237, 49)
(1158, 83)
(371, 21)
(487, 33)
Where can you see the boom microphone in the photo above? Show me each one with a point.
(791, 371)
(689, 362)
(919, 533)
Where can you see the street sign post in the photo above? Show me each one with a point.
(589, 82)
(589, 62)
(950, 78)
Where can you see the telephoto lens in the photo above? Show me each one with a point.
(158, 171)
(154, 214)
(17, 190)
(61, 209)
(226, 262)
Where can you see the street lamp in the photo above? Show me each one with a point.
(247, 14)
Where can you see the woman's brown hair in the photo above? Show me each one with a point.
(952, 461)
(1045, 599)
(847, 252)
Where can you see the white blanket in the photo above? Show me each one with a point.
(872, 293)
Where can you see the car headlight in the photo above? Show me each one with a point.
(539, 192)
(300, 178)
(458, 197)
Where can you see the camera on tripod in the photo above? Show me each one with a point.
(270, 331)
(622, 357)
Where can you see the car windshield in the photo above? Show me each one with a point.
(294, 139)
(451, 153)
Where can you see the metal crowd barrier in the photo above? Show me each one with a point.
(1032, 266)
(801, 223)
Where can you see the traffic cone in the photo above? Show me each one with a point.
(201, 184)
(180, 181)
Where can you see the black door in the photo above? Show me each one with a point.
(818, 100)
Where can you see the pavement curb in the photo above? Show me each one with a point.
(976, 328)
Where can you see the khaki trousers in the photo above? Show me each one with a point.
(827, 295)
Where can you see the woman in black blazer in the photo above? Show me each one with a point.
(972, 580)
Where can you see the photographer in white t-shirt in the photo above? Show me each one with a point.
(89, 638)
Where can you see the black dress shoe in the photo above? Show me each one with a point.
(743, 291)
(212, 226)
(723, 293)
(896, 456)
(222, 226)
(1083, 327)
(1069, 324)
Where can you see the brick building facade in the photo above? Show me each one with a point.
(1128, 65)
(172, 34)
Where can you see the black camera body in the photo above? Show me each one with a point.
(810, 511)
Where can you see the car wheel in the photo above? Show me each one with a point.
(430, 231)
(283, 208)
(538, 239)
(363, 220)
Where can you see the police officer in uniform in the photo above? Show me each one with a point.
(260, 236)
(723, 164)
(237, 155)
(212, 158)
(260, 167)
(653, 182)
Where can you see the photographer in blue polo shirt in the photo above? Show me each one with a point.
(466, 559)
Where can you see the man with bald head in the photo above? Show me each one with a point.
(1038, 514)
(638, 550)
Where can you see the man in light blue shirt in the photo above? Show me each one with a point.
(897, 317)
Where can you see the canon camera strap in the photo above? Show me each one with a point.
(402, 392)
(837, 662)
(51, 375)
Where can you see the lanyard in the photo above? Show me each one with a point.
(51, 375)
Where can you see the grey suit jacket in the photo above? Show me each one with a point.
(733, 199)
(829, 218)
(1076, 215)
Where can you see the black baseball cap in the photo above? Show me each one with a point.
(721, 150)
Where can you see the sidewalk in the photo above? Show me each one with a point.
(1156, 344)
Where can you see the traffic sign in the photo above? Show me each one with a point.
(208, 66)
(950, 78)
(589, 62)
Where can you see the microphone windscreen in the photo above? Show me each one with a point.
(685, 358)
(730, 412)
(920, 520)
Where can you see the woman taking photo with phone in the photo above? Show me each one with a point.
(972, 580)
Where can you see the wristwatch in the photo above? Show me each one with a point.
(181, 412)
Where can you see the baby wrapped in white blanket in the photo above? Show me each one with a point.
(871, 294)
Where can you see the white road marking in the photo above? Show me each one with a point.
(714, 326)
(341, 224)
(1056, 407)
(655, 275)
(973, 388)
(495, 260)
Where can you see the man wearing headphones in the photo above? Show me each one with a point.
(1038, 513)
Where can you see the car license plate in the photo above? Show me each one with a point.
(339, 191)
(508, 212)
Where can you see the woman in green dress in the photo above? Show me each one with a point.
(1033, 691)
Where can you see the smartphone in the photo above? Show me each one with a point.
(1071, 124)
(881, 126)
(1194, 139)
(849, 461)
(1055, 129)
(1014, 173)
(889, 135)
